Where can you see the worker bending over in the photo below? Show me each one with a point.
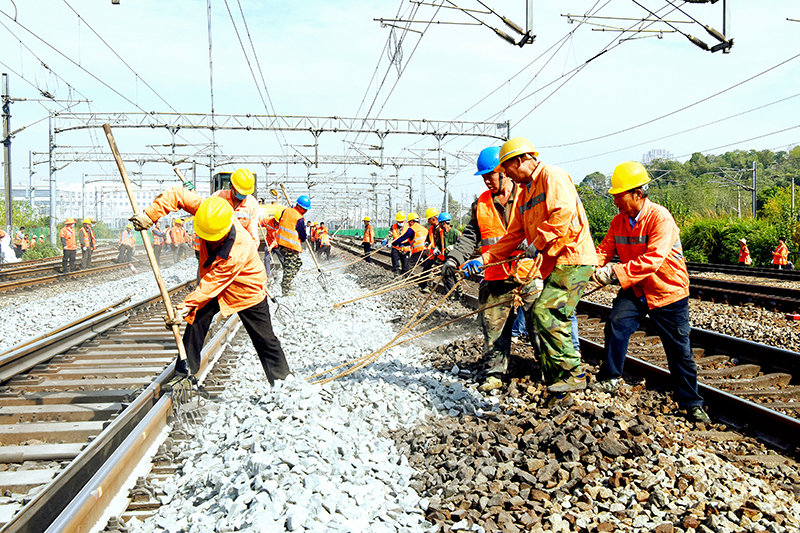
(232, 279)
(550, 217)
(68, 245)
(244, 204)
(126, 243)
(368, 240)
(399, 253)
(291, 236)
(654, 281)
(414, 237)
(492, 213)
(445, 237)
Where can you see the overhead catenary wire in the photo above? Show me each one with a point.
(744, 140)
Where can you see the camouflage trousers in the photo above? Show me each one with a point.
(497, 321)
(550, 315)
(291, 266)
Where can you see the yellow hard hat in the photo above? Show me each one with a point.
(70, 220)
(627, 176)
(400, 217)
(413, 216)
(516, 146)
(243, 181)
(367, 219)
(129, 226)
(431, 212)
(213, 219)
(87, 220)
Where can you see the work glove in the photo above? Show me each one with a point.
(473, 266)
(384, 242)
(531, 251)
(435, 252)
(604, 275)
(449, 267)
(141, 221)
(180, 315)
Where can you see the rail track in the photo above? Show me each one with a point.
(26, 283)
(746, 384)
(80, 407)
(48, 265)
(754, 272)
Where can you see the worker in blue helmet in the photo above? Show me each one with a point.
(291, 235)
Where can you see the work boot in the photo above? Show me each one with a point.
(425, 290)
(697, 414)
(491, 383)
(607, 385)
(555, 399)
(574, 382)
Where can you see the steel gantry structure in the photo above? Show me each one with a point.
(63, 122)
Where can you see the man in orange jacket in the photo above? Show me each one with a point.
(69, 245)
(368, 239)
(781, 254)
(233, 279)
(550, 217)
(654, 281)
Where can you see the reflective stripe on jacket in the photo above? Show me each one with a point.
(127, 238)
(492, 230)
(67, 235)
(158, 240)
(87, 238)
(287, 229)
(177, 235)
(650, 253)
(247, 211)
(196, 243)
(369, 234)
(398, 230)
(780, 255)
(324, 239)
(549, 215)
(420, 236)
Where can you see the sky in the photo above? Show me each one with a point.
(322, 58)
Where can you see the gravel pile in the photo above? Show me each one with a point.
(308, 457)
(594, 463)
(30, 313)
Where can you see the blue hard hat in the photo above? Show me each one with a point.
(488, 160)
(444, 217)
(304, 202)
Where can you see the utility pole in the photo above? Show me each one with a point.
(30, 180)
(83, 195)
(7, 152)
(445, 200)
(52, 172)
(754, 190)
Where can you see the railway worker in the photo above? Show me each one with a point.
(444, 238)
(491, 214)
(233, 279)
(126, 244)
(654, 281)
(781, 254)
(291, 236)
(324, 241)
(240, 196)
(368, 240)
(399, 253)
(88, 242)
(312, 235)
(68, 245)
(414, 237)
(744, 253)
(3, 245)
(550, 217)
(159, 239)
(270, 224)
(18, 241)
(179, 240)
(26, 243)
(32, 242)
(429, 258)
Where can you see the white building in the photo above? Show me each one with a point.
(656, 153)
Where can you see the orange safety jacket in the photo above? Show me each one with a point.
(18, 238)
(127, 238)
(157, 239)
(780, 255)
(238, 281)
(650, 254)
(287, 229)
(67, 233)
(548, 214)
(247, 211)
(87, 238)
(744, 254)
(324, 239)
(312, 234)
(369, 234)
(271, 226)
(398, 230)
(25, 243)
(33, 242)
(492, 230)
(420, 236)
(177, 235)
(196, 243)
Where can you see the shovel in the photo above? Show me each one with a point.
(322, 278)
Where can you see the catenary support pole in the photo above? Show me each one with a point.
(7, 155)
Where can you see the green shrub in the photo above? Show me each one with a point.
(41, 250)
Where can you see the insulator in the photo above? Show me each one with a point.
(513, 26)
(504, 35)
(715, 34)
(697, 42)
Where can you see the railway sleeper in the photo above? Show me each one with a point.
(50, 398)
(11, 414)
(758, 383)
(738, 371)
(48, 385)
(53, 432)
(22, 481)
(780, 394)
(19, 453)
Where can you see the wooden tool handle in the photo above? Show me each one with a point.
(162, 287)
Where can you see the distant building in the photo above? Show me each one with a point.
(656, 153)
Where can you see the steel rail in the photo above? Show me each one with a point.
(50, 501)
(11, 273)
(29, 282)
(56, 259)
(756, 272)
(767, 424)
(89, 504)
(735, 292)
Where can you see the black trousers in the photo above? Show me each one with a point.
(86, 257)
(326, 250)
(257, 323)
(399, 261)
(367, 249)
(412, 261)
(125, 253)
(68, 258)
(157, 252)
